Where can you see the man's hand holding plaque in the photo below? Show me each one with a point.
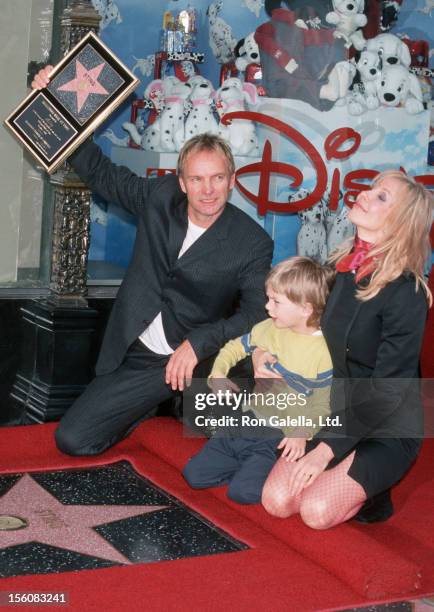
(42, 78)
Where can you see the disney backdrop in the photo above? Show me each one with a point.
(335, 150)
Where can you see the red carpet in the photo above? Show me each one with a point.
(289, 566)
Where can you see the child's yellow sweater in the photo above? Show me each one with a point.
(298, 404)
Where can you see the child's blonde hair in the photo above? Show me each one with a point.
(303, 281)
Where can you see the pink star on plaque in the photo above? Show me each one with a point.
(85, 83)
(43, 518)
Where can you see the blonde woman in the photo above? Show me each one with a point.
(373, 324)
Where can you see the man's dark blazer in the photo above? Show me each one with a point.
(197, 293)
(375, 345)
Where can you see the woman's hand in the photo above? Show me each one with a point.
(260, 358)
(41, 80)
(307, 469)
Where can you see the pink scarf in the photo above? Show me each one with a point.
(358, 260)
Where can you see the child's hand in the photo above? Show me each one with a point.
(260, 360)
(293, 448)
(219, 382)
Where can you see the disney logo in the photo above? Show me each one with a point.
(340, 144)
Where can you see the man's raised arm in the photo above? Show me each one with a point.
(113, 183)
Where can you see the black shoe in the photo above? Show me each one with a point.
(377, 509)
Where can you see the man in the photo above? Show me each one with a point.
(195, 257)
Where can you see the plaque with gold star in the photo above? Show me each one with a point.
(85, 87)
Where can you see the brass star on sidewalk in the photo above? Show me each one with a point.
(85, 83)
(56, 524)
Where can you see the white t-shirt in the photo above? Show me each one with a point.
(153, 336)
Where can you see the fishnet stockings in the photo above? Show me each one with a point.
(334, 497)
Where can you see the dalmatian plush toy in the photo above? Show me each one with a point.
(221, 40)
(167, 133)
(340, 229)
(389, 13)
(241, 134)
(391, 49)
(254, 6)
(109, 12)
(312, 237)
(397, 87)
(329, 215)
(144, 64)
(246, 52)
(348, 17)
(363, 94)
(201, 116)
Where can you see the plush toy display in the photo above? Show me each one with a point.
(197, 100)
(246, 52)
(300, 56)
(303, 54)
(348, 17)
(241, 134)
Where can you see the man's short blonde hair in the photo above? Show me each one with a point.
(206, 142)
(303, 281)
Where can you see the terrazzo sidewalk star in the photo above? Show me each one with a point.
(64, 526)
(85, 83)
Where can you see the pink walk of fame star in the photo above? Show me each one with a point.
(53, 523)
(85, 83)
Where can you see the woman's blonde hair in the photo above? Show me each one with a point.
(405, 245)
(303, 281)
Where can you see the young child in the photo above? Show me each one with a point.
(297, 290)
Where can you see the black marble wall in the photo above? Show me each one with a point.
(11, 347)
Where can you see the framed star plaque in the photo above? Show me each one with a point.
(85, 87)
